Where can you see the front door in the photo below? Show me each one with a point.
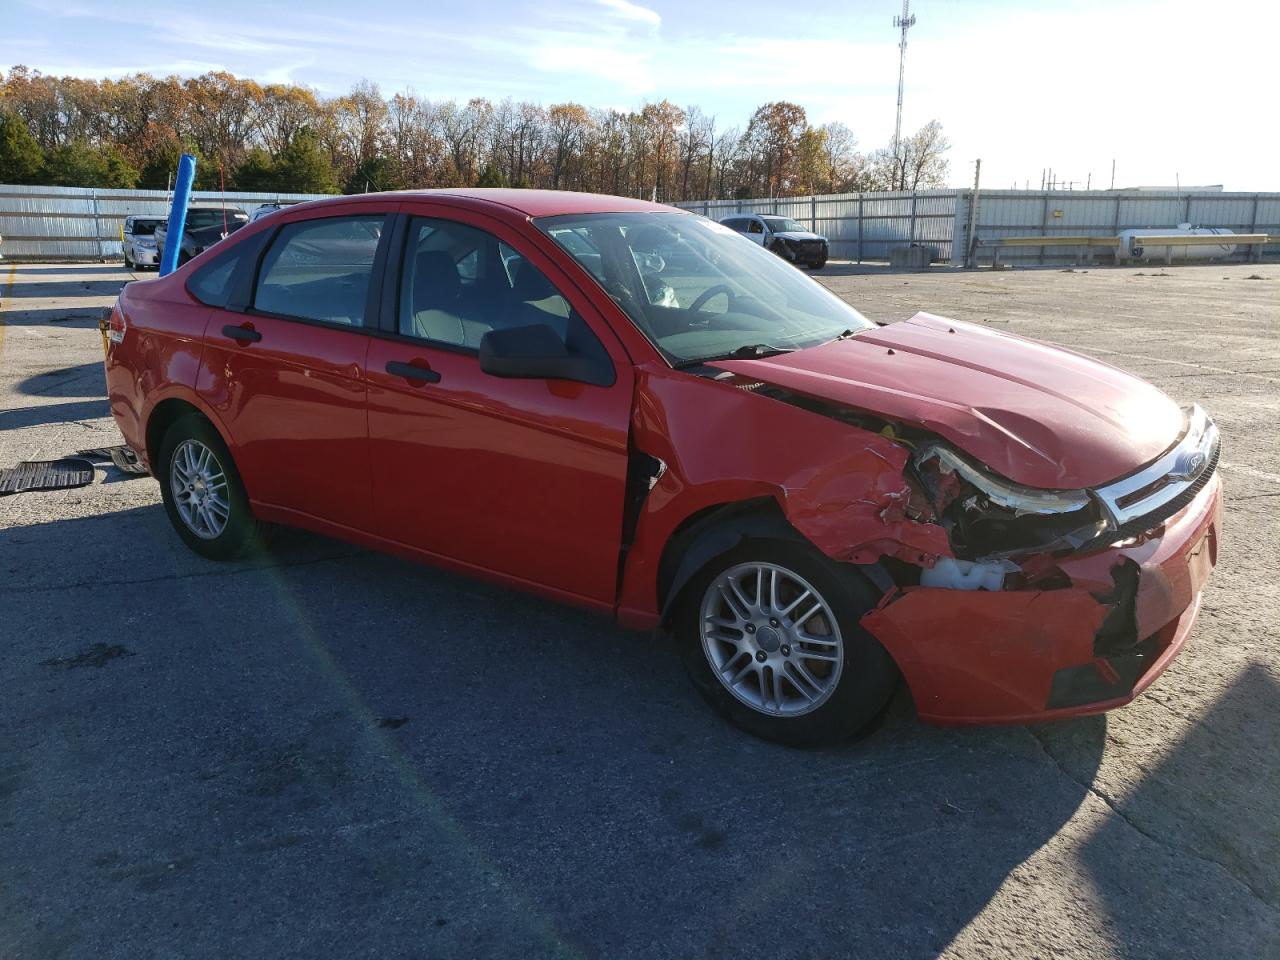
(519, 478)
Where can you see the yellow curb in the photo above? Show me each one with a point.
(8, 287)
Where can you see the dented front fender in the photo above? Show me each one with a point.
(841, 487)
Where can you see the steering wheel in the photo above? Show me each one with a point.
(710, 292)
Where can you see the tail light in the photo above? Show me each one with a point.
(116, 325)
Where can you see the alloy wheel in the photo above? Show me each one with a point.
(771, 639)
(199, 487)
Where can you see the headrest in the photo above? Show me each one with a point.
(435, 279)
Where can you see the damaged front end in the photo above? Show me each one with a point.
(1054, 602)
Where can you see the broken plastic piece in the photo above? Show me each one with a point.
(962, 575)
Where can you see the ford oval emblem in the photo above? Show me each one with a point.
(1188, 466)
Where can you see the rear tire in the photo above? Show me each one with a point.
(851, 677)
(202, 492)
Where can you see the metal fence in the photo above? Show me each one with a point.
(859, 226)
(81, 223)
(867, 226)
(67, 223)
(1104, 213)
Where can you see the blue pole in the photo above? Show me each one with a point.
(177, 224)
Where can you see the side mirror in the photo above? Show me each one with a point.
(536, 353)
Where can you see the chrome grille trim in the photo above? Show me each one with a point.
(1184, 469)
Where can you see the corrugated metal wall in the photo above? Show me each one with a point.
(78, 223)
(867, 226)
(1100, 213)
(860, 226)
(74, 223)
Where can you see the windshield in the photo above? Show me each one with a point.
(784, 225)
(698, 290)
(144, 228)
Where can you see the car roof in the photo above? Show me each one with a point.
(529, 203)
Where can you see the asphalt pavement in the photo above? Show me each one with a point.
(327, 752)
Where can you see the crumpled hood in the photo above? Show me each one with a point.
(1039, 415)
(799, 235)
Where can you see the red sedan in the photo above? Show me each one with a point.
(634, 409)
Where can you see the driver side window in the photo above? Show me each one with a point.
(459, 282)
(754, 226)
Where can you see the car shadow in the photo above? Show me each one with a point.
(38, 414)
(1213, 804)
(440, 761)
(81, 380)
(74, 318)
(42, 269)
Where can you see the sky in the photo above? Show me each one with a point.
(1179, 91)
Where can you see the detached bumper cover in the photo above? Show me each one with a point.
(1018, 656)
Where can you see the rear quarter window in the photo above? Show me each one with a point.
(212, 283)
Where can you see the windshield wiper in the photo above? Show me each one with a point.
(750, 351)
(845, 336)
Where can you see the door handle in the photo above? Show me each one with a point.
(241, 334)
(412, 372)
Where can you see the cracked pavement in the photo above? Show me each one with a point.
(330, 752)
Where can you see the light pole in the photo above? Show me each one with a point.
(904, 23)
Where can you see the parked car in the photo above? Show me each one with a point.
(138, 240)
(783, 236)
(266, 209)
(204, 227)
(812, 503)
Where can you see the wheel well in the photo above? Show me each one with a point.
(163, 417)
(713, 530)
(709, 532)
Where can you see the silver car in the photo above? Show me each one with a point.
(138, 238)
(788, 239)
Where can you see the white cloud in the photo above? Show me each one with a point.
(627, 69)
(633, 11)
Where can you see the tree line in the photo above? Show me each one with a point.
(281, 137)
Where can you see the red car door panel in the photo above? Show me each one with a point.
(286, 376)
(294, 404)
(521, 477)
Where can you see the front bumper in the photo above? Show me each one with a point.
(145, 258)
(1018, 656)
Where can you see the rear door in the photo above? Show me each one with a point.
(284, 367)
(521, 478)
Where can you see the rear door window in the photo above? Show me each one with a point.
(320, 270)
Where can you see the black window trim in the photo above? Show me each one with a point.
(371, 303)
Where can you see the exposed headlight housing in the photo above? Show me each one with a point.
(1021, 500)
(988, 517)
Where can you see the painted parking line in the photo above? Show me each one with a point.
(1185, 363)
(1250, 472)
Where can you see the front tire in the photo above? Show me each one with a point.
(770, 636)
(202, 491)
